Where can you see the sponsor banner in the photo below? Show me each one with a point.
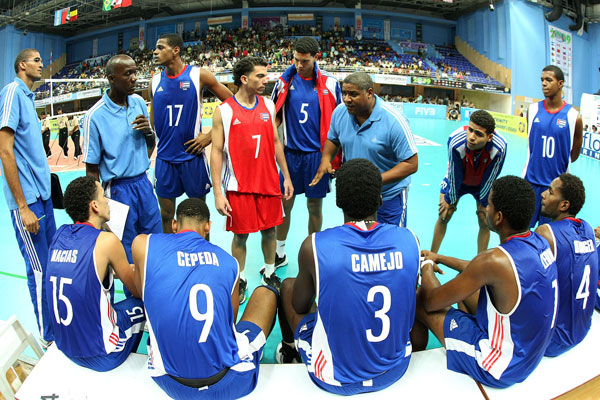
(390, 79)
(220, 20)
(85, 94)
(413, 45)
(358, 25)
(301, 17)
(561, 55)
(465, 113)
(397, 106)
(386, 29)
(142, 38)
(245, 20)
(510, 124)
(418, 110)
(487, 88)
(591, 145)
(590, 115)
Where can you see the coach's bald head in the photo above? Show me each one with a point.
(117, 61)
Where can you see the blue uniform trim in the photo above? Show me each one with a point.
(34, 249)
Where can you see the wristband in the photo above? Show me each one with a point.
(425, 263)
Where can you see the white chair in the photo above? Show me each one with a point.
(14, 339)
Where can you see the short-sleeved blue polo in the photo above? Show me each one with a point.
(17, 112)
(384, 138)
(110, 141)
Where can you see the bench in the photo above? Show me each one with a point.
(426, 376)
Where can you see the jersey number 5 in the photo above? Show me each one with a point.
(381, 313)
(209, 315)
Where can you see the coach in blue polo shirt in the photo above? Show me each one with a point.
(117, 144)
(368, 127)
(27, 180)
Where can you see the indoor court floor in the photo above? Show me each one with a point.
(460, 240)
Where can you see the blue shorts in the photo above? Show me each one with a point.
(537, 217)
(303, 339)
(143, 215)
(303, 167)
(475, 191)
(462, 335)
(191, 177)
(393, 211)
(239, 381)
(130, 320)
(34, 249)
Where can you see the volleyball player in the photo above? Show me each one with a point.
(304, 98)
(555, 137)
(90, 328)
(245, 148)
(198, 351)
(510, 292)
(356, 337)
(176, 113)
(573, 244)
(476, 155)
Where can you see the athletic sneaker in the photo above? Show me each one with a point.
(286, 354)
(280, 261)
(272, 280)
(243, 286)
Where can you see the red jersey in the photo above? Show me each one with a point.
(249, 148)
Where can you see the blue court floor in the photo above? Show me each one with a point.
(460, 240)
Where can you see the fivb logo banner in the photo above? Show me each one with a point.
(418, 110)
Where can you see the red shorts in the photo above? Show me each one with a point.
(251, 212)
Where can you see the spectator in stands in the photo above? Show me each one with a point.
(572, 241)
(509, 293)
(189, 359)
(367, 127)
(329, 334)
(63, 132)
(94, 331)
(117, 149)
(27, 181)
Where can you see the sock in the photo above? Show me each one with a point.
(281, 248)
(269, 269)
(242, 275)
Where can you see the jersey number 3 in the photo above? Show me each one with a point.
(381, 313)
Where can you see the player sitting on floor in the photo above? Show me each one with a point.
(89, 327)
(190, 290)
(510, 291)
(354, 337)
(572, 242)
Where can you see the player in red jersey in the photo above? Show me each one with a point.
(244, 150)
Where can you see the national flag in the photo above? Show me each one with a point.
(60, 16)
(72, 15)
(108, 5)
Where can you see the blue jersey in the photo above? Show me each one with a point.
(517, 340)
(85, 323)
(598, 287)
(473, 168)
(366, 297)
(550, 142)
(302, 116)
(177, 112)
(192, 335)
(577, 265)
